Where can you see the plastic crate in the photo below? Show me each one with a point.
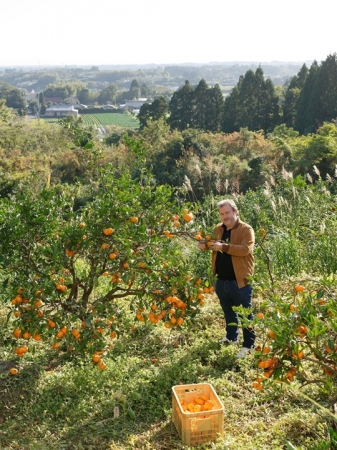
(197, 427)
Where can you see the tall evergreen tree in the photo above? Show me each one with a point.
(305, 115)
(268, 107)
(247, 101)
(41, 99)
(181, 109)
(253, 104)
(231, 111)
(154, 111)
(144, 115)
(201, 105)
(325, 92)
(214, 116)
(292, 95)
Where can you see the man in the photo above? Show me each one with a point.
(233, 263)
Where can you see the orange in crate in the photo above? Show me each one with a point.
(197, 413)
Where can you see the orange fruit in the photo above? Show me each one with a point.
(20, 351)
(266, 350)
(293, 308)
(101, 365)
(59, 335)
(112, 255)
(13, 371)
(198, 400)
(302, 329)
(208, 405)
(260, 315)
(257, 385)
(51, 323)
(17, 333)
(26, 335)
(56, 345)
(271, 334)
(299, 288)
(134, 219)
(190, 407)
(188, 217)
(104, 246)
(82, 225)
(75, 333)
(108, 231)
(268, 373)
(96, 358)
(37, 337)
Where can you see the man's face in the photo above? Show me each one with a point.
(228, 216)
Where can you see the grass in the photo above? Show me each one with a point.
(60, 403)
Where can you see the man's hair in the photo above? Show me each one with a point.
(229, 202)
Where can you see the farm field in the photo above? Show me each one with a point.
(105, 119)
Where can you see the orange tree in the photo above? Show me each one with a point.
(299, 328)
(295, 286)
(65, 271)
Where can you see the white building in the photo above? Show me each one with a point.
(134, 104)
(61, 111)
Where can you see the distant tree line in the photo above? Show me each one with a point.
(203, 162)
(158, 76)
(13, 97)
(110, 94)
(310, 99)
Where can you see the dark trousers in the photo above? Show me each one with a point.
(230, 295)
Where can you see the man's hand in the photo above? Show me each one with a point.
(202, 246)
(216, 246)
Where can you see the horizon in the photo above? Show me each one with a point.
(187, 64)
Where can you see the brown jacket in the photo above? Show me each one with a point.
(240, 248)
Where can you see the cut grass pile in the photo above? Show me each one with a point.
(59, 404)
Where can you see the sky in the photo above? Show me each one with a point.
(120, 32)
